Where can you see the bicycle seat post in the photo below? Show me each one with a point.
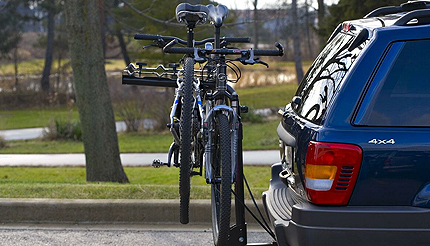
(191, 15)
(190, 36)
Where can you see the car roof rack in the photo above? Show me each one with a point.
(423, 17)
(404, 7)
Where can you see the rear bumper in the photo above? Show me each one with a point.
(308, 224)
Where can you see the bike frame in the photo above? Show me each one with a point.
(210, 99)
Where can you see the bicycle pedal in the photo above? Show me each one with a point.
(244, 109)
(156, 163)
(194, 173)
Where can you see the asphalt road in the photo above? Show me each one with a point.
(160, 235)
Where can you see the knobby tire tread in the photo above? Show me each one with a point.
(224, 212)
(185, 147)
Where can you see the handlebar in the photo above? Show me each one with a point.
(223, 51)
(167, 39)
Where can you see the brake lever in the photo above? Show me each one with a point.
(150, 45)
(262, 62)
(250, 60)
(197, 58)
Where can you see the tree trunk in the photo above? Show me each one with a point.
(92, 94)
(15, 66)
(101, 5)
(123, 47)
(255, 24)
(296, 43)
(49, 48)
(321, 15)
(58, 71)
(308, 32)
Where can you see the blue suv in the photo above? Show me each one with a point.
(355, 139)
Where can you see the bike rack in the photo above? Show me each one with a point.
(238, 232)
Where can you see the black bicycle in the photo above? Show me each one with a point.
(205, 118)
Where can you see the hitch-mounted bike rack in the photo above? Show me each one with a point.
(238, 232)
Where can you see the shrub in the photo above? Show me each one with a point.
(132, 113)
(252, 117)
(31, 99)
(2, 142)
(63, 129)
(143, 108)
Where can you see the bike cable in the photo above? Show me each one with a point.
(265, 226)
(236, 71)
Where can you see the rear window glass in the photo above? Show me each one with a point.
(324, 77)
(399, 96)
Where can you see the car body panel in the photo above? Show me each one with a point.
(390, 203)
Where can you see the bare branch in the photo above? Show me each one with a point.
(4, 6)
(122, 24)
(169, 23)
(150, 6)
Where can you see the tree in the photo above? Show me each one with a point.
(49, 6)
(92, 94)
(350, 10)
(321, 15)
(11, 22)
(155, 17)
(116, 29)
(308, 31)
(255, 3)
(296, 42)
(102, 15)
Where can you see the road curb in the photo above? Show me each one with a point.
(105, 211)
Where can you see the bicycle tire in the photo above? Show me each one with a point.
(186, 138)
(221, 191)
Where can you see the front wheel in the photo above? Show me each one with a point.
(221, 182)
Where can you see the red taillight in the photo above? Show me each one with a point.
(331, 171)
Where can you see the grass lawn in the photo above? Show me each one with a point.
(35, 66)
(271, 96)
(145, 183)
(256, 137)
(16, 119)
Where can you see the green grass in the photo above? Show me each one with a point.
(16, 119)
(35, 67)
(271, 96)
(145, 183)
(256, 137)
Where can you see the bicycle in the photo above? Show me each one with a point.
(205, 118)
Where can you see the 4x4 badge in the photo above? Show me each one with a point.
(382, 141)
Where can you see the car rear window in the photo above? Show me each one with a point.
(399, 95)
(324, 77)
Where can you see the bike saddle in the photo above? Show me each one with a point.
(217, 14)
(191, 14)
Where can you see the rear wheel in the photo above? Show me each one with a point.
(221, 182)
(186, 139)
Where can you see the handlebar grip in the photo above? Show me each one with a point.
(146, 37)
(266, 52)
(179, 50)
(278, 52)
(237, 39)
